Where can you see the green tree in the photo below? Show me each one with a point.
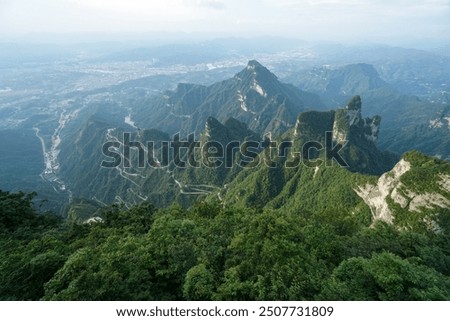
(385, 276)
(199, 283)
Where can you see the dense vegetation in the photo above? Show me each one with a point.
(212, 252)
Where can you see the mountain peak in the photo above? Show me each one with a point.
(255, 70)
(255, 77)
(254, 64)
(349, 120)
(354, 103)
(213, 128)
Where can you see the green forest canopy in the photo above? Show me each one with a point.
(209, 252)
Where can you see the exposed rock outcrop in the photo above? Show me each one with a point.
(349, 119)
(375, 196)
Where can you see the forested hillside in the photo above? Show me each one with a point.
(217, 252)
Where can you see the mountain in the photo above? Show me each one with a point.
(409, 71)
(253, 96)
(287, 182)
(414, 194)
(336, 85)
(347, 127)
(361, 133)
(409, 122)
(218, 156)
(83, 171)
(171, 176)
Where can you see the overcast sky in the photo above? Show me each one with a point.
(335, 20)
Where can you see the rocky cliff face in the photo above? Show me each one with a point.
(375, 196)
(402, 197)
(348, 121)
(355, 134)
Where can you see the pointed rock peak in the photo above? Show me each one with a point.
(253, 64)
(255, 70)
(214, 129)
(349, 119)
(256, 77)
(259, 69)
(212, 125)
(354, 103)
